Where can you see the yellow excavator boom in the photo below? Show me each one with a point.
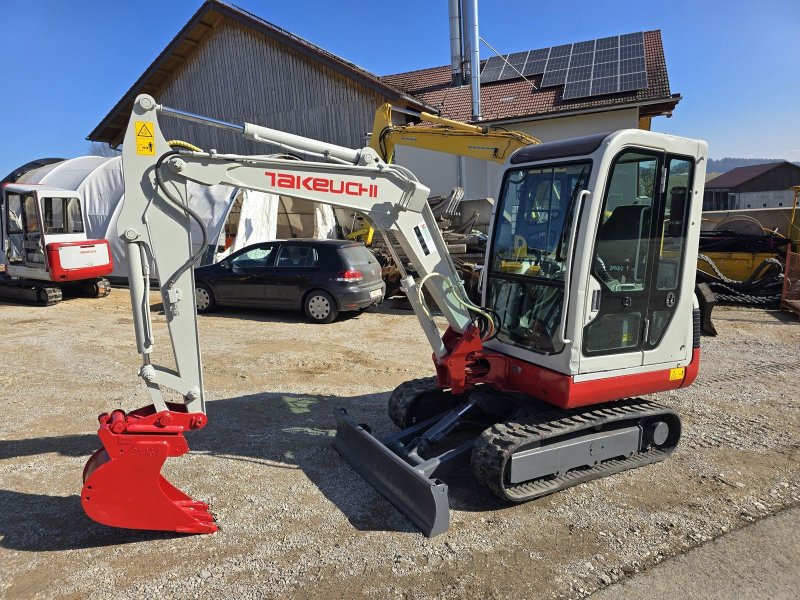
(440, 135)
(444, 135)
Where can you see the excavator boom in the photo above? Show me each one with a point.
(444, 135)
(122, 483)
(439, 135)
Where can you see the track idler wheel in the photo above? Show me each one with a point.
(122, 482)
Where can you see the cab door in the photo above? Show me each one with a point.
(636, 268)
(24, 245)
(13, 228)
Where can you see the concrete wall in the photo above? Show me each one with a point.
(481, 179)
(770, 218)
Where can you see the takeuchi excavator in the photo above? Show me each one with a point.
(587, 303)
(440, 135)
(47, 252)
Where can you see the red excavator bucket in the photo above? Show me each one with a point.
(122, 482)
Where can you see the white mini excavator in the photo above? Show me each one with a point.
(46, 249)
(587, 303)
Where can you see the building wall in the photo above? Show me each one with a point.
(482, 179)
(239, 75)
(768, 190)
(775, 199)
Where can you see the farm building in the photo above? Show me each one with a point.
(756, 186)
(232, 65)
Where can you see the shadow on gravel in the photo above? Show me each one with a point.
(39, 523)
(259, 314)
(66, 445)
(277, 430)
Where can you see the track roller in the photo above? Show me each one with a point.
(527, 458)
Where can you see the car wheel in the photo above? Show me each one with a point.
(320, 307)
(204, 298)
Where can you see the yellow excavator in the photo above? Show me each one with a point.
(440, 135)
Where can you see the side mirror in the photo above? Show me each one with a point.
(225, 264)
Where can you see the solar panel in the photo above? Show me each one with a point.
(604, 66)
(492, 69)
(513, 68)
(534, 67)
(552, 78)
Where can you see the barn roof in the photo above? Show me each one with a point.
(517, 100)
(739, 175)
(112, 128)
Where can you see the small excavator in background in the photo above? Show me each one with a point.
(587, 303)
(440, 135)
(46, 250)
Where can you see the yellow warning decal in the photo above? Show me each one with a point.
(145, 141)
(677, 373)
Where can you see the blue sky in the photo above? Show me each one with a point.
(64, 64)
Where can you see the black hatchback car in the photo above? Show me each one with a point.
(321, 277)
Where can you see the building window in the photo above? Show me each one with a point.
(780, 203)
(764, 205)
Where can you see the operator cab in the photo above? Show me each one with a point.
(43, 235)
(600, 225)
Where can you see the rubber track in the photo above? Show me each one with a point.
(403, 397)
(53, 296)
(107, 286)
(498, 443)
(27, 292)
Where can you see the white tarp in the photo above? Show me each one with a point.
(100, 181)
(324, 222)
(258, 219)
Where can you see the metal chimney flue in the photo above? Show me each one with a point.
(456, 44)
(472, 39)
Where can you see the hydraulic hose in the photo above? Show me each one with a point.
(185, 208)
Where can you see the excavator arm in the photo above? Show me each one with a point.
(122, 482)
(444, 135)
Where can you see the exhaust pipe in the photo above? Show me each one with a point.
(456, 44)
(474, 57)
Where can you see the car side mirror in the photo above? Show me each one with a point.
(225, 264)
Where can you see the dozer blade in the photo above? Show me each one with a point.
(423, 500)
(123, 485)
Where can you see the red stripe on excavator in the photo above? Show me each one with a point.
(514, 375)
(563, 391)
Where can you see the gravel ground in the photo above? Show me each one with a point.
(297, 522)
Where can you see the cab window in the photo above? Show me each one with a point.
(528, 260)
(62, 215)
(14, 214)
(31, 217)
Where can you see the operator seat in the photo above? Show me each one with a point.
(623, 239)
